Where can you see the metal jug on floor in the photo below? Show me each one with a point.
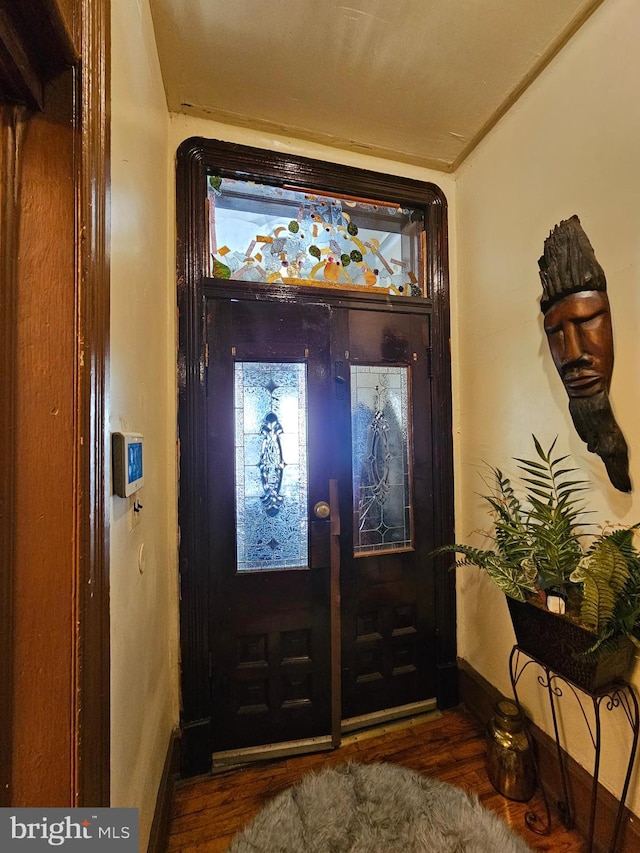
(510, 764)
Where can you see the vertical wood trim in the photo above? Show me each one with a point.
(54, 312)
(194, 604)
(42, 588)
(92, 705)
(336, 626)
(11, 122)
(441, 402)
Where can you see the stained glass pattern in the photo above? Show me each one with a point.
(380, 454)
(271, 465)
(285, 236)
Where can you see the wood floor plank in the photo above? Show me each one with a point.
(209, 810)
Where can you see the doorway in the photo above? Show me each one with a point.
(299, 395)
(315, 478)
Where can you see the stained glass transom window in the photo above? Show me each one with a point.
(281, 236)
(271, 465)
(380, 421)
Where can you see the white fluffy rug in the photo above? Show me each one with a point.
(375, 808)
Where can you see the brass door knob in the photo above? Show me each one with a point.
(322, 509)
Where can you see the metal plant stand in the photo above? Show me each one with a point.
(619, 694)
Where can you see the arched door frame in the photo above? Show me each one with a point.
(196, 158)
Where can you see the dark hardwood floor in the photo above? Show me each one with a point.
(208, 811)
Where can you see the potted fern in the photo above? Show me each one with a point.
(573, 594)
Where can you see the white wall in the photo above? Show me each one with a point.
(144, 623)
(182, 127)
(570, 145)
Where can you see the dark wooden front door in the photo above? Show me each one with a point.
(269, 615)
(269, 629)
(387, 586)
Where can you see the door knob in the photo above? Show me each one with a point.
(322, 509)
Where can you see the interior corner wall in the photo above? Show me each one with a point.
(569, 145)
(143, 558)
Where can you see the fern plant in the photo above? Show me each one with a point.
(543, 544)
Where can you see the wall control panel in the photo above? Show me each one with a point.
(127, 452)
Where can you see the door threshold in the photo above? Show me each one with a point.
(231, 758)
(388, 715)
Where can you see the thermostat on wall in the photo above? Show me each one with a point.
(127, 456)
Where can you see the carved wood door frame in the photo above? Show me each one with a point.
(54, 324)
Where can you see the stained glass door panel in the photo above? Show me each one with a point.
(381, 453)
(271, 484)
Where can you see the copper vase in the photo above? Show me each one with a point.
(510, 764)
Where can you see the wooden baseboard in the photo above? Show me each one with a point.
(479, 695)
(159, 836)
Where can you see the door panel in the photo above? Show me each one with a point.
(388, 637)
(366, 376)
(269, 627)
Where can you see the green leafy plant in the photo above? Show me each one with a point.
(543, 544)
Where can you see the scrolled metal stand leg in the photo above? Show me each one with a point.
(564, 806)
(634, 721)
(531, 818)
(596, 774)
(619, 694)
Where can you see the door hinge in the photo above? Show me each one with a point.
(341, 380)
(430, 361)
(206, 354)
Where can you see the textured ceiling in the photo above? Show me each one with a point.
(419, 81)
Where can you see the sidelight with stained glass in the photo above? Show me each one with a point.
(270, 408)
(380, 421)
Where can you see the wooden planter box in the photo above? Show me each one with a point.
(560, 644)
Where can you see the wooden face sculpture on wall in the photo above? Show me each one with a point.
(577, 322)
